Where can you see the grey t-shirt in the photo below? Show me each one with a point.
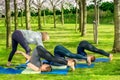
(32, 37)
(35, 58)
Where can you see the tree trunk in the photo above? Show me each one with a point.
(21, 18)
(54, 15)
(83, 29)
(98, 14)
(80, 15)
(39, 19)
(62, 14)
(16, 14)
(95, 22)
(27, 11)
(44, 19)
(116, 45)
(76, 17)
(8, 25)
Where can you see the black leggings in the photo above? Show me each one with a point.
(17, 37)
(85, 45)
(61, 51)
(43, 53)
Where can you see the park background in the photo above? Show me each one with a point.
(68, 35)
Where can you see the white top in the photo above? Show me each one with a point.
(32, 37)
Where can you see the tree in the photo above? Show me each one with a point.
(116, 45)
(54, 4)
(82, 16)
(27, 12)
(16, 14)
(21, 7)
(107, 6)
(76, 15)
(39, 4)
(8, 25)
(83, 28)
(95, 23)
(62, 14)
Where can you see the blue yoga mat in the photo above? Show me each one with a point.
(82, 65)
(9, 71)
(57, 71)
(102, 60)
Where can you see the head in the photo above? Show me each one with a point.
(46, 68)
(92, 58)
(45, 36)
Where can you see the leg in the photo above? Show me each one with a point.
(86, 45)
(62, 51)
(21, 40)
(48, 56)
(14, 48)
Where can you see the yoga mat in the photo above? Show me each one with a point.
(29, 71)
(102, 60)
(23, 66)
(57, 71)
(62, 69)
(82, 65)
(54, 71)
(9, 71)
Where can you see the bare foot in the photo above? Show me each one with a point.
(72, 63)
(89, 60)
(8, 64)
(111, 57)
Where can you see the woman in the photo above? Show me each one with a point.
(24, 38)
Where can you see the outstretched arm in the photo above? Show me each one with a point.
(24, 54)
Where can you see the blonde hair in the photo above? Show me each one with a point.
(45, 36)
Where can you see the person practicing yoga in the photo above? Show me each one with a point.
(61, 51)
(40, 52)
(85, 45)
(24, 38)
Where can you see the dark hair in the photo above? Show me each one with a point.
(74, 62)
(92, 58)
(49, 68)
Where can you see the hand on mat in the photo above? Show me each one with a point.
(111, 57)
(90, 58)
(72, 63)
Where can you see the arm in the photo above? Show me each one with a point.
(24, 54)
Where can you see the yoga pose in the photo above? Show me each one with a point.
(24, 38)
(85, 45)
(61, 51)
(40, 52)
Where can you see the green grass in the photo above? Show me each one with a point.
(67, 36)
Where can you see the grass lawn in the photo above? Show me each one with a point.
(66, 36)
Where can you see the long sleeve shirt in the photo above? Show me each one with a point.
(32, 37)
